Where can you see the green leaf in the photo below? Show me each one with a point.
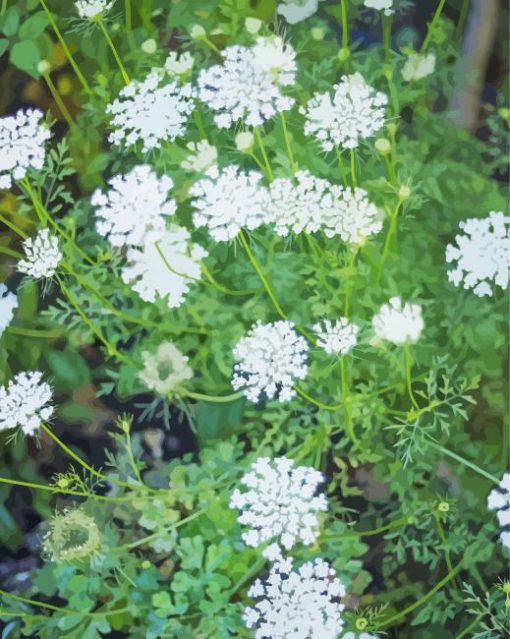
(69, 369)
(25, 55)
(3, 45)
(216, 421)
(10, 21)
(33, 26)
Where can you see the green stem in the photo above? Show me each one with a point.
(4, 7)
(224, 289)
(293, 166)
(60, 491)
(351, 267)
(13, 227)
(219, 399)
(459, 29)
(389, 159)
(470, 626)
(134, 466)
(123, 71)
(341, 167)
(316, 402)
(462, 460)
(144, 540)
(353, 168)
(349, 426)
(386, 26)
(409, 379)
(10, 252)
(260, 142)
(391, 232)
(128, 17)
(58, 100)
(398, 523)
(444, 542)
(432, 26)
(247, 577)
(39, 333)
(345, 29)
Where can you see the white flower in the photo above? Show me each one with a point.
(418, 66)
(22, 138)
(229, 200)
(348, 213)
(362, 635)
(270, 359)
(202, 156)
(244, 141)
(295, 11)
(179, 63)
(165, 370)
(150, 111)
(354, 112)
(136, 203)
(8, 304)
(280, 504)
(380, 5)
(247, 85)
(481, 256)
(398, 324)
(42, 255)
(90, 9)
(297, 604)
(150, 277)
(499, 500)
(336, 338)
(25, 402)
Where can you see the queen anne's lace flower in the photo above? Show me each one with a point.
(295, 11)
(297, 604)
(150, 277)
(398, 324)
(353, 113)
(179, 63)
(25, 402)
(90, 9)
(418, 66)
(165, 370)
(151, 111)
(229, 200)
(136, 203)
(348, 213)
(481, 256)
(247, 85)
(280, 504)
(8, 304)
(42, 255)
(22, 138)
(380, 5)
(499, 500)
(270, 359)
(336, 338)
(202, 156)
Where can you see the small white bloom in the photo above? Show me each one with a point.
(8, 304)
(228, 200)
(22, 138)
(136, 203)
(244, 141)
(280, 504)
(43, 67)
(25, 402)
(149, 46)
(197, 31)
(269, 360)
(398, 324)
(253, 25)
(336, 338)
(179, 63)
(150, 277)
(499, 500)
(247, 85)
(90, 9)
(151, 111)
(349, 213)
(42, 255)
(418, 66)
(481, 256)
(354, 112)
(165, 370)
(380, 5)
(202, 156)
(295, 11)
(297, 604)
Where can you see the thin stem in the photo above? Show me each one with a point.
(219, 399)
(13, 227)
(462, 460)
(444, 542)
(144, 540)
(392, 525)
(351, 267)
(128, 18)
(388, 158)
(293, 166)
(64, 611)
(225, 289)
(68, 53)
(10, 252)
(246, 577)
(345, 28)
(4, 7)
(38, 333)
(341, 167)
(349, 426)
(470, 626)
(386, 26)
(134, 465)
(316, 402)
(58, 100)
(389, 237)
(123, 71)
(353, 168)
(433, 25)
(56, 490)
(459, 29)
(409, 379)
(262, 148)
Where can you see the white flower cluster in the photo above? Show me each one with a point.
(151, 111)
(349, 213)
(165, 370)
(354, 112)
(179, 63)
(297, 604)
(281, 503)
(499, 500)
(135, 204)
(25, 402)
(336, 338)
(380, 5)
(269, 360)
(150, 276)
(228, 200)
(418, 66)
(202, 156)
(481, 256)
(295, 11)
(397, 323)
(247, 86)
(42, 255)
(90, 9)
(22, 138)
(8, 304)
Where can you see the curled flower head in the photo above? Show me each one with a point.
(269, 360)
(353, 113)
(280, 504)
(499, 501)
(25, 402)
(481, 256)
(72, 536)
(22, 138)
(135, 204)
(336, 338)
(202, 156)
(397, 323)
(8, 304)
(151, 111)
(92, 9)
(42, 255)
(165, 370)
(297, 604)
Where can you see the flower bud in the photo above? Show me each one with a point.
(244, 141)
(404, 192)
(343, 54)
(383, 145)
(443, 507)
(43, 67)
(197, 31)
(361, 623)
(317, 33)
(149, 46)
(252, 25)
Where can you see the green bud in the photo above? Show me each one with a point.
(149, 46)
(404, 192)
(317, 33)
(443, 507)
(343, 54)
(253, 25)
(383, 145)
(361, 623)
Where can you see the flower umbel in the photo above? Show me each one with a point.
(165, 370)
(73, 536)
(90, 9)
(499, 500)
(25, 402)
(336, 338)
(397, 323)
(202, 156)
(42, 255)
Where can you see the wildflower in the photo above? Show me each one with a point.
(151, 111)
(336, 338)
(93, 9)
(383, 146)
(253, 25)
(22, 138)
(499, 500)
(398, 324)
(349, 214)
(8, 304)
(179, 63)
(247, 85)
(149, 46)
(270, 359)
(280, 504)
(297, 604)
(354, 112)
(380, 5)
(136, 203)
(151, 277)
(25, 402)
(72, 536)
(481, 256)
(244, 141)
(165, 370)
(228, 200)
(295, 11)
(418, 66)
(202, 156)
(42, 255)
